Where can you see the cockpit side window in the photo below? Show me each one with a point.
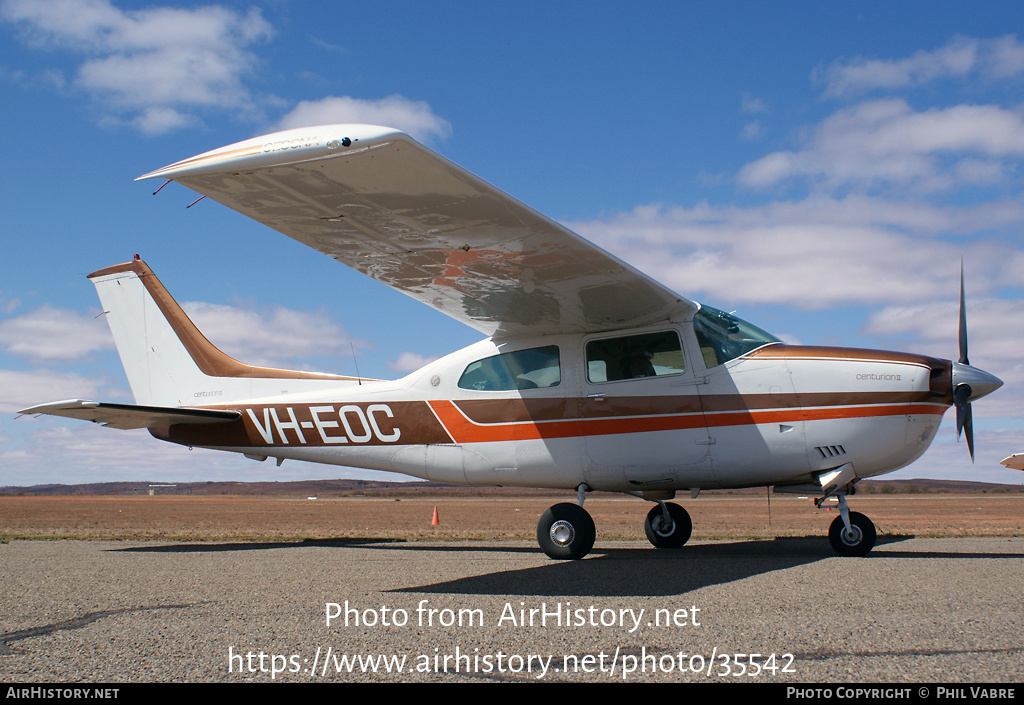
(723, 337)
(634, 357)
(533, 368)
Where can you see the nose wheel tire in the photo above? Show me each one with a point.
(670, 532)
(858, 541)
(566, 532)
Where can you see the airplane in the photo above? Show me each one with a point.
(593, 376)
(1014, 462)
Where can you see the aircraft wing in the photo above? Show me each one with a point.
(129, 416)
(378, 201)
(1014, 462)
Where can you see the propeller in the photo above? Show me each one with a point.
(969, 383)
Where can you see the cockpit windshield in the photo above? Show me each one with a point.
(723, 336)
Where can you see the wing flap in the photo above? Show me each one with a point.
(376, 200)
(130, 416)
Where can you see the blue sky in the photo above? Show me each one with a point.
(820, 168)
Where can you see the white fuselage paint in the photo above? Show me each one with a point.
(756, 420)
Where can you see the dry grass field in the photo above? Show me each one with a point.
(198, 518)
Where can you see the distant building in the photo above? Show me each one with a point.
(162, 489)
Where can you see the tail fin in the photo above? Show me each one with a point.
(168, 361)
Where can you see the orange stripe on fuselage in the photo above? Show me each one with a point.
(463, 430)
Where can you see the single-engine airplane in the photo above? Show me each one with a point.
(593, 376)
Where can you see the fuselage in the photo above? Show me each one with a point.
(651, 409)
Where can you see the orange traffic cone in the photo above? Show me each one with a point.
(435, 520)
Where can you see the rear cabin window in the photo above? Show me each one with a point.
(534, 368)
(634, 357)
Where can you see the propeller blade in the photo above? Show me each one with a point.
(969, 431)
(969, 383)
(964, 417)
(963, 319)
(962, 402)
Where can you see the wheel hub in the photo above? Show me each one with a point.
(663, 526)
(852, 536)
(562, 532)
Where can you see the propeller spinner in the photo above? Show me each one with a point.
(969, 383)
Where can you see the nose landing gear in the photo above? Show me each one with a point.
(851, 533)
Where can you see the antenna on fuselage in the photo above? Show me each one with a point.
(354, 360)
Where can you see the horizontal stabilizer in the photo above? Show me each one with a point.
(128, 416)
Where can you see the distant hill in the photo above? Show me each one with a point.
(369, 488)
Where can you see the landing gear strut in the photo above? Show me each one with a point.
(668, 525)
(851, 533)
(566, 531)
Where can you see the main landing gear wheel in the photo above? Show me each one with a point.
(566, 532)
(858, 541)
(668, 532)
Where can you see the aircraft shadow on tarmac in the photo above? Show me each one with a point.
(607, 572)
(8, 638)
(255, 545)
(642, 571)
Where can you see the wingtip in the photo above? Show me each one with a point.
(1014, 462)
(54, 405)
(284, 147)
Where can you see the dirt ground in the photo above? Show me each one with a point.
(192, 518)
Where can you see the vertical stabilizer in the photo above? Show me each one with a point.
(167, 360)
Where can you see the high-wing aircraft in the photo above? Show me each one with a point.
(593, 376)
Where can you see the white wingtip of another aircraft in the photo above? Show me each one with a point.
(1014, 462)
(287, 147)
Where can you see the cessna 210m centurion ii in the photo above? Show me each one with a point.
(593, 376)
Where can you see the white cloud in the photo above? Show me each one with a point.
(886, 142)
(997, 58)
(812, 254)
(157, 120)
(158, 69)
(412, 116)
(750, 104)
(949, 459)
(50, 333)
(23, 389)
(8, 306)
(409, 362)
(995, 330)
(276, 337)
(272, 337)
(149, 67)
(995, 327)
(752, 131)
(69, 452)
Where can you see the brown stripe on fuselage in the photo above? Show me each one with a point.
(484, 411)
(208, 358)
(493, 411)
(814, 352)
(404, 423)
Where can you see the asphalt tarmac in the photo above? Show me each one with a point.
(786, 610)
